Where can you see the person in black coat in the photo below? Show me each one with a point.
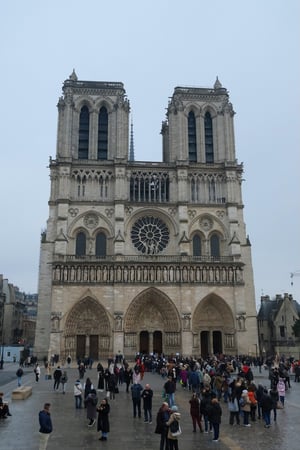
(162, 418)
(103, 420)
(214, 415)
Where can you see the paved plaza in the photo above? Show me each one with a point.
(70, 431)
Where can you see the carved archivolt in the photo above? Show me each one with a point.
(87, 317)
(214, 313)
(152, 307)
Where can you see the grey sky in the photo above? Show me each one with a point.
(253, 47)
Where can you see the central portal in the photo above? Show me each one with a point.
(150, 342)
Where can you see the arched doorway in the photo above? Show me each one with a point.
(157, 342)
(153, 311)
(87, 331)
(214, 324)
(144, 342)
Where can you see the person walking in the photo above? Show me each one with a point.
(136, 391)
(103, 419)
(91, 407)
(63, 380)
(195, 412)
(19, 374)
(57, 376)
(45, 426)
(162, 418)
(169, 389)
(147, 395)
(214, 414)
(174, 417)
(37, 371)
(78, 389)
(281, 390)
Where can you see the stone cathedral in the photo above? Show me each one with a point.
(148, 257)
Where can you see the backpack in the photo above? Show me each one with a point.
(242, 402)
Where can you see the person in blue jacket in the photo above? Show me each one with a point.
(45, 426)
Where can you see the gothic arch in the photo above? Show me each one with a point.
(104, 224)
(87, 331)
(87, 317)
(213, 312)
(84, 101)
(106, 102)
(151, 310)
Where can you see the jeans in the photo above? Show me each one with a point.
(267, 417)
(78, 401)
(136, 406)
(148, 414)
(216, 428)
(171, 399)
(246, 417)
(206, 423)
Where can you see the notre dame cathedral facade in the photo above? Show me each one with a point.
(138, 256)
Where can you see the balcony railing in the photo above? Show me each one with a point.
(144, 258)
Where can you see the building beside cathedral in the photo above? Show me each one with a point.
(148, 257)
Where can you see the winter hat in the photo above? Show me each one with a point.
(174, 408)
(245, 391)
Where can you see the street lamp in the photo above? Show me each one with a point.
(3, 297)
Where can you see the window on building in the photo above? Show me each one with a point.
(197, 245)
(102, 133)
(80, 244)
(84, 128)
(282, 331)
(215, 246)
(192, 141)
(100, 245)
(208, 133)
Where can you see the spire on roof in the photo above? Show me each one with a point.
(131, 148)
(73, 76)
(217, 84)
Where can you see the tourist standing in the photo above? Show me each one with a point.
(214, 414)
(147, 395)
(195, 412)
(136, 391)
(103, 419)
(78, 389)
(174, 417)
(162, 418)
(19, 374)
(45, 426)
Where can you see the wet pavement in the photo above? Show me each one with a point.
(70, 431)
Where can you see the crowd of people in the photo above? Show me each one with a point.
(211, 385)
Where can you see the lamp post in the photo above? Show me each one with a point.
(3, 297)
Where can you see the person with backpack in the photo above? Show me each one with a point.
(245, 406)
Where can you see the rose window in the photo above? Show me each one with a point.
(150, 235)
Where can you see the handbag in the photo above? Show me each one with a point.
(176, 433)
(233, 406)
(175, 429)
(279, 405)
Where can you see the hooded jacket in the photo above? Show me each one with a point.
(174, 416)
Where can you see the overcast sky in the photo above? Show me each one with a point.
(252, 46)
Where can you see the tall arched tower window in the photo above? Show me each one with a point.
(102, 133)
(192, 137)
(80, 244)
(215, 246)
(196, 245)
(84, 128)
(100, 245)
(208, 130)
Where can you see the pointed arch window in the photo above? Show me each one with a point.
(80, 244)
(101, 245)
(196, 245)
(192, 140)
(84, 128)
(102, 133)
(215, 246)
(208, 132)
